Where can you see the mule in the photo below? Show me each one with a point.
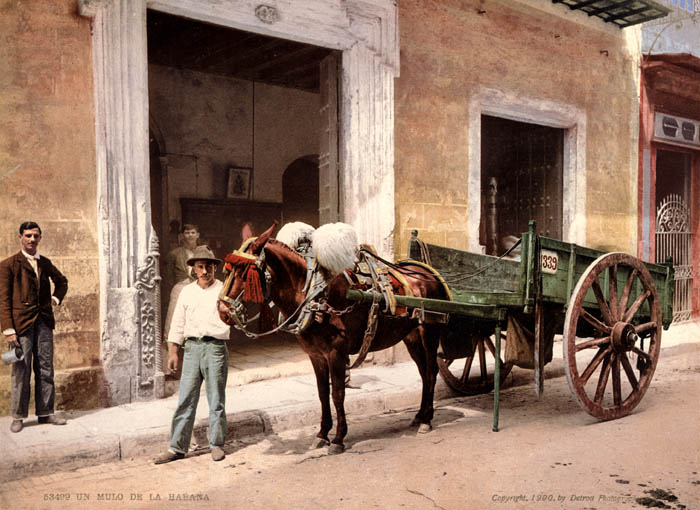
(338, 331)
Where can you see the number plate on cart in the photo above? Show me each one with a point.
(549, 261)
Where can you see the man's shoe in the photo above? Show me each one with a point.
(16, 426)
(217, 454)
(52, 419)
(168, 456)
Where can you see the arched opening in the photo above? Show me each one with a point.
(300, 191)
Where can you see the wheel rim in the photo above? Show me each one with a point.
(471, 375)
(612, 340)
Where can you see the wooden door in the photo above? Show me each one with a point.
(527, 162)
(328, 166)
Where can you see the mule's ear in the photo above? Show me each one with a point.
(262, 239)
(246, 232)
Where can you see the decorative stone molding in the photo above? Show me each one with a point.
(89, 8)
(148, 290)
(267, 14)
(338, 24)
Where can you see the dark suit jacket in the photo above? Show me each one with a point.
(23, 297)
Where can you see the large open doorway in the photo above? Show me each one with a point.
(242, 116)
(521, 180)
(364, 34)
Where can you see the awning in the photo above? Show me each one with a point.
(623, 13)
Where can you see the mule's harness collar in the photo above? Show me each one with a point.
(303, 316)
(314, 286)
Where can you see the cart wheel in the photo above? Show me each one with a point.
(460, 377)
(599, 342)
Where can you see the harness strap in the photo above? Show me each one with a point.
(303, 316)
(370, 332)
(281, 327)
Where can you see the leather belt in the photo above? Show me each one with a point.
(203, 339)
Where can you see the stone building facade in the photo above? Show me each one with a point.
(427, 94)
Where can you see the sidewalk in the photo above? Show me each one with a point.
(143, 428)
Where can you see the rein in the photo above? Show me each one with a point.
(253, 292)
(240, 325)
(314, 286)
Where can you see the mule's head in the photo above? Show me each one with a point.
(246, 279)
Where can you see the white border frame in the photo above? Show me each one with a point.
(536, 111)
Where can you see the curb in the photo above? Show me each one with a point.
(74, 454)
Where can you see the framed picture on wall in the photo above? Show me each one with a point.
(240, 183)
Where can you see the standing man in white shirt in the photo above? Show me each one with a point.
(197, 328)
(27, 321)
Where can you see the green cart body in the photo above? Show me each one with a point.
(610, 307)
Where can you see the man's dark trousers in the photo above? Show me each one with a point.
(37, 345)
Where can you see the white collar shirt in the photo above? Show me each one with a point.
(32, 260)
(196, 314)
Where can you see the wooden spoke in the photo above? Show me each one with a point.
(635, 306)
(596, 342)
(611, 359)
(482, 361)
(602, 304)
(595, 322)
(600, 355)
(643, 328)
(614, 309)
(467, 369)
(641, 353)
(467, 382)
(626, 291)
(630, 372)
(603, 380)
(617, 390)
(491, 348)
(489, 345)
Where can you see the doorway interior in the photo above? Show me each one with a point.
(238, 116)
(521, 180)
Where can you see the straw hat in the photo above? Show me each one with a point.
(202, 252)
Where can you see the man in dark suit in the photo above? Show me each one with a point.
(26, 320)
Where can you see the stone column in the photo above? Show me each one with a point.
(121, 120)
(367, 148)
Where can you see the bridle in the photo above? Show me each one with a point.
(254, 271)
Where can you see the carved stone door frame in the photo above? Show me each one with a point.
(367, 35)
(508, 105)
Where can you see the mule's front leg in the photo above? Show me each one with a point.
(322, 384)
(422, 346)
(337, 367)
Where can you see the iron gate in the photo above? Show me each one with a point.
(673, 239)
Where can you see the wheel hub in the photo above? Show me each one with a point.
(624, 337)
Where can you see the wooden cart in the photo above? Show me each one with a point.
(610, 307)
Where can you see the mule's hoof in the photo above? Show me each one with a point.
(415, 423)
(424, 428)
(319, 443)
(335, 449)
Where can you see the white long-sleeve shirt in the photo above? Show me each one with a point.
(196, 314)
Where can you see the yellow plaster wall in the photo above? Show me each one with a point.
(452, 48)
(47, 174)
